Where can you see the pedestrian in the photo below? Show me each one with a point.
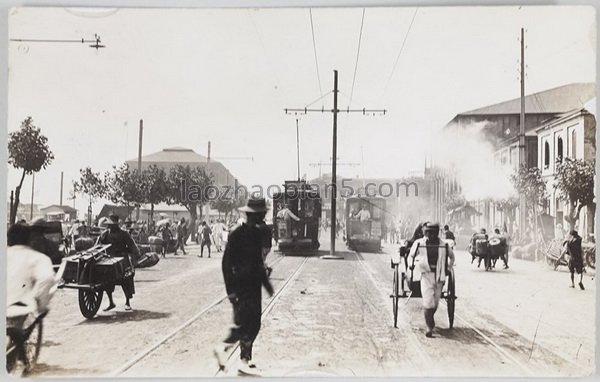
(166, 236)
(434, 259)
(218, 230)
(447, 234)
(205, 233)
(480, 249)
(575, 252)
(499, 246)
(244, 275)
(121, 245)
(181, 236)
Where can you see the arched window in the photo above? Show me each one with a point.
(546, 155)
(573, 144)
(559, 150)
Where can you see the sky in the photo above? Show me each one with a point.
(226, 75)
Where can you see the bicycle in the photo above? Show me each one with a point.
(23, 341)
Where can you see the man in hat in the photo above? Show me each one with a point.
(205, 233)
(435, 259)
(245, 274)
(122, 245)
(575, 251)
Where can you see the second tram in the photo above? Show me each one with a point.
(364, 222)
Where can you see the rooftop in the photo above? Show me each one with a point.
(556, 100)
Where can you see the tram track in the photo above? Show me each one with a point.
(266, 310)
(423, 355)
(156, 345)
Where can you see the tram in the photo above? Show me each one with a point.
(296, 217)
(364, 222)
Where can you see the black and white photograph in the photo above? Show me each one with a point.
(307, 191)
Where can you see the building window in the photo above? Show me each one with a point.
(574, 144)
(546, 155)
(559, 150)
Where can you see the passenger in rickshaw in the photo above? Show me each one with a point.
(429, 253)
(122, 245)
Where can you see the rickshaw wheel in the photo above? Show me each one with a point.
(451, 298)
(395, 295)
(89, 302)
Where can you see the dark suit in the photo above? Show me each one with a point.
(244, 274)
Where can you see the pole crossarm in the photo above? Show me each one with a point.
(331, 163)
(364, 111)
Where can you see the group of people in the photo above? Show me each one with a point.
(489, 248)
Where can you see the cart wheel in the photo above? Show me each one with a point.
(20, 361)
(395, 295)
(89, 302)
(451, 297)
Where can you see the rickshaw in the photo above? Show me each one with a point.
(405, 284)
(365, 234)
(89, 272)
(304, 201)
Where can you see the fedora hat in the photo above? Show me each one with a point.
(113, 219)
(254, 205)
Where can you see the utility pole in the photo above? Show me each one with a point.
(139, 164)
(335, 112)
(298, 148)
(522, 159)
(32, 191)
(62, 174)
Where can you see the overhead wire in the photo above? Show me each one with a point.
(312, 28)
(362, 21)
(401, 49)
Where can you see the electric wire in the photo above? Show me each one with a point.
(401, 49)
(362, 21)
(312, 28)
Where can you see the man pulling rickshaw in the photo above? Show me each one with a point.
(433, 258)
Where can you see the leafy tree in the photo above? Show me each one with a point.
(124, 187)
(188, 187)
(454, 200)
(90, 184)
(228, 205)
(574, 181)
(28, 150)
(509, 207)
(528, 181)
(155, 187)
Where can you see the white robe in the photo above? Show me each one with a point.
(431, 282)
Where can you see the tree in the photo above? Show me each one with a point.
(124, 187)
(91, 184)
(574, 181)
(189, 187)
(454, 201)
(528, 181)
(509, 207)
(28, 150)
(155, 187)
(228, 205)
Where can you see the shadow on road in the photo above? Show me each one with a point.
(134, 315)
(465, 336)
(59, 371)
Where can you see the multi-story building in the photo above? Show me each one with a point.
(499, 125)
(568, 135)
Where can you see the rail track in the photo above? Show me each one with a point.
(161, 341)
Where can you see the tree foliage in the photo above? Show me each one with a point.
(155, 186)
(574, 182)
(188, 187)
(123, 186)
(528, 181)
(454, 201)
(90, 184)
(28, 151)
